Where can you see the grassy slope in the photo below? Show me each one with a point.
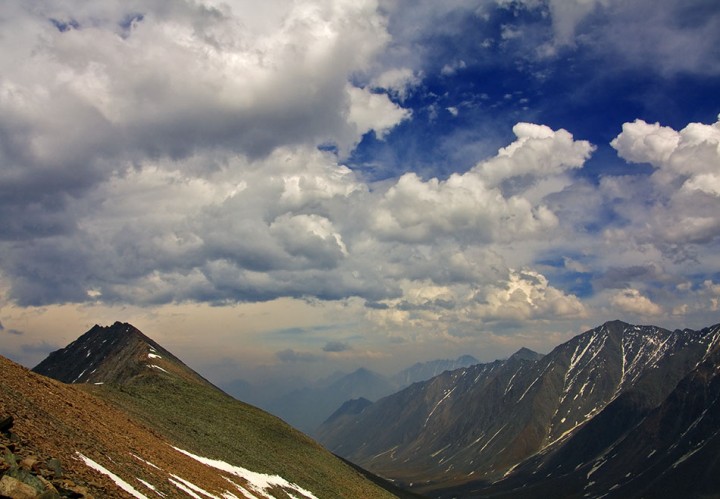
(210, 423)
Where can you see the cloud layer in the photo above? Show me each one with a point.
(201, 152)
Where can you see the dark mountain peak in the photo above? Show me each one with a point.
(615, 324)
(350, 408)
(467, 360)
(112, 354)
(618, 329)
(361, 375)
(362, 381)
(526, 354)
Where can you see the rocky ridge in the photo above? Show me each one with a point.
(530, 425)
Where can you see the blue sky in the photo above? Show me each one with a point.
(299, 187)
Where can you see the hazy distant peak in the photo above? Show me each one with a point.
(422, 371)
(468, 360)
(526, 354)
(350, 407)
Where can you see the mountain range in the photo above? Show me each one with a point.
(126, 418)
(307, 407)
(618, 411)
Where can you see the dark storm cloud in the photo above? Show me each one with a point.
(336, 346)
(290, 355)
(623, 277)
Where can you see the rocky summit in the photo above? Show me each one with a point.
(112, 354)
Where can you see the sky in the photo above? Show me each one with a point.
(295, 187)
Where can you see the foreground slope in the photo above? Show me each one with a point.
(137, 376)
(65, 440)
(499, 427)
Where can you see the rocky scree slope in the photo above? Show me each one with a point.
(124, 370)
(84, 447)
(551, 423)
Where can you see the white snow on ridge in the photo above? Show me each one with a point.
(436, 405)
(154, 356)
(150, 486)
(528, 389)
(118, 481)
(158, 367)
(260, 483)
(190, 488)
(187, 489)
(79, 376)
(242, 489)
(144, 461)
(509, 385)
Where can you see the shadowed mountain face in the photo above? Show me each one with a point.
(559, 424)
(120, 368)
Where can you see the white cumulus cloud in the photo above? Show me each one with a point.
(632, 301)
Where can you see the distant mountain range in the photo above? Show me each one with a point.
(137, 422)
(307, 407)
(618, 411)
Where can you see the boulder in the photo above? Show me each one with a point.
(12, 487)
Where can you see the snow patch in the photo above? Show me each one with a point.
(146, 462)
(436, 405)
(260, 483)
(157, 367)
(186, 489)
(118, 481)
(528, 389)
(491, 438)
(385, 452)
(434, 454)
(79, 376)
(150, 486)
(595, 467)
(243, 490)
(154, 356)
(690, 454)
(184, 485)
(510, 383)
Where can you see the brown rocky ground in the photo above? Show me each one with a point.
(55, 423)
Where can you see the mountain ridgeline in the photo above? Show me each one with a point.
(618, 411)
(249, 453)
(112, 354)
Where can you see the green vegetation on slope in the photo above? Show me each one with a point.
(210, 423)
